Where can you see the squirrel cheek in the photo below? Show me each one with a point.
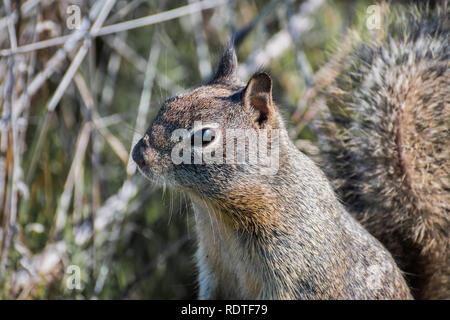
(152, 158)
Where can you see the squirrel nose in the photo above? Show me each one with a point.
(137, 153)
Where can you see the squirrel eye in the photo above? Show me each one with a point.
(205, 135)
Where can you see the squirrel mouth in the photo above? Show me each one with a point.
(147, 173)
(157, 177)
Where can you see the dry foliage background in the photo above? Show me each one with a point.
(74, 101)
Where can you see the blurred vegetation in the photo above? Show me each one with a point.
(129, 239)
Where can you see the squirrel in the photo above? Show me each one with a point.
(384, 140)
(281, 234)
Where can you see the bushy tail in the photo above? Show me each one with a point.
(385, 139)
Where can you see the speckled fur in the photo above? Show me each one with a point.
(282, 236)
(385, 141)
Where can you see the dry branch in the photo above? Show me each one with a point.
(122, 26)
(144, 104)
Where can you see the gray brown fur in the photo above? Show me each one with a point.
(385, 141)
(284, 236)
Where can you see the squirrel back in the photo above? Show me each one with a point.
(277, 234)
(385, 141)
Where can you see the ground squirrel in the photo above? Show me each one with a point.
(279, 234)
(385, 141)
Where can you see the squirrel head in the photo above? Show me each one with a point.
(194, 127)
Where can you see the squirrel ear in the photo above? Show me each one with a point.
(258, 95)
(226, 71)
